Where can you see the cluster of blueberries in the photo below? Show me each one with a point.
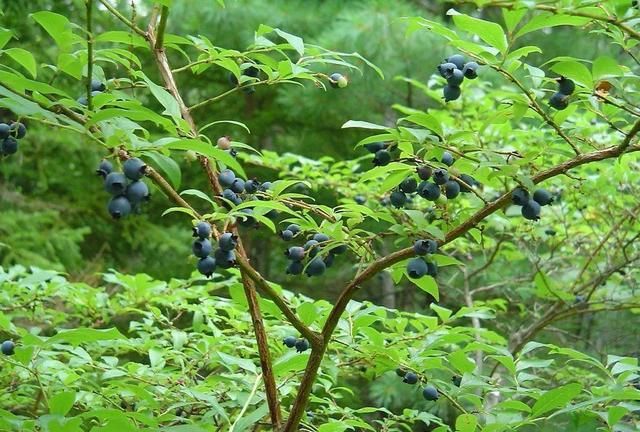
(235, 188)
(97, 87)
(128, 190)
(455, 70)
(531, 205)
(10, 133)
(300, 344)
(8, 347)
(430, 393)
(560, 99)
(418, 267)
(306, 258)
(224, 257)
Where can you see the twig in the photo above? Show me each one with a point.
(89, 7)
(124, 19)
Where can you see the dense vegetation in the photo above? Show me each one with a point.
(319, 216)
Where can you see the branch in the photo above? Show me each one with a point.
(124, 19)
(161, 28)
(89, 7)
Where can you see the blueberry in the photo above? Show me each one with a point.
(328, 260)
(451, 189)
(531, 210)
(290, 341)
(559, 101)
(202, 230)
(456, 78)
(416, 268)
(446, 69)
(456, 380)
(115, 183)
(457, 60)
(401, 372)
(8, 347)
(424, 172)
(226, 178)
(566, 86)
(230, 195)
(424, 247)
(224, 143)
(409, 185)
(410, 378)
(432, 269)
(320, 237)
(440, 176)
(315, 267)
(430, 393)
(251, 71)
(312, 247)
(382, 158)
(542, 197)
(18, 130)
(374, 147)
(119, 207)
(338, 80)
(520, 196)
(228, 242)
(134, 168)
(469, 182)
(238, 185)
(264, 187)
(207, 266)
(294, 228)
(97, 86)
(429, 191)
(295, 253)
(340, 249)
(302, 345)
(359, 199)
(451, 93)
(104, 168)
(5, 130)
(251, 186)
(286, 235)
(295, 268)
(9, 146)
(137, 192)
(398, 199)
(272, 214)
(225, 259)
(470, 70)
(201, 248)
(447, 158)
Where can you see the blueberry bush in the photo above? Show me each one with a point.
(504, 205)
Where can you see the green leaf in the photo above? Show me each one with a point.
(488, 31)
(229, 360)
(466, 423)
(443, 313)
(548, 20)
(556, 398)
(5, 37)
(57, 26)
(24, 58)
(236, 123)
(512, 17)
(575, 71)
(208, 150)
(167, 166)
(84, 335)
(605, 66)
(165, 98)
(461, 362)
(427, 284)
(295, 41)
(123, 37)
(61, 402)
(199, 194)
(362, 125)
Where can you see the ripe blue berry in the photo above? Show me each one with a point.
(401, 372)
(469, 182)
(359, 199)
(202, 248)
(410, 378)
(105, 168)
(230, 195)
(382, 158)
(137, 192)
(295, 253)
(226, 178)
(134, 168)
(409, 185)
(470, 70)
(398, 199)
(286, 235)
(416, 268)
(320, 237)
(294, 228)
(374, 147)
(424, 172)
(5, 130)
(430, 393)
(566, 86)
(456, 78)
(302, 345)
(432, 269)
(531, 210)
(429, 191)
(238, 185)
(119, 207)
(290, 341)
(340, 249)
(440, 176)
(559, 101)
(424, 247)
(225, 259)
(8, 347)
(9, 146)
(315, 267)
(446, 69)
(227, 241)
(520, 196)
(97, 86)
(251, 186)
(202, 230)
(542, 197)
(311, 247)
(207, 266)
(456, 380)
(328, 260)
(451, 189)
(457, 60)
(18, 130)
(447, 158)
(264, 186)
(295, 268)
(451, 92)
(115, 183)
